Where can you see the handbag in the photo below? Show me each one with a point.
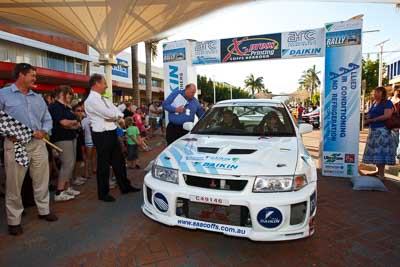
(394, 121)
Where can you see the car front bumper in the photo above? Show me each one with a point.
(160, 204)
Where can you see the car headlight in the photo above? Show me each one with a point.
(268, 184)
(165, 174)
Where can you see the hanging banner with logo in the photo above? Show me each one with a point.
(266, 46)
(120, 70)
(306, 43)
(206, 52)
(341, 98)
(178, 70)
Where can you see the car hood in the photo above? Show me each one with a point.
(232, 155)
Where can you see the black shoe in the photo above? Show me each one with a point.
(137, 166)
(15, 230)
(108, 198)
(49, 217)
(131, 189)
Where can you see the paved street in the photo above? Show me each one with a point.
(353, 229)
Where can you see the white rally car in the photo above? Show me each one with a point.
(242, 171)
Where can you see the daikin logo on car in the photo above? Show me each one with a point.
(269, 217)
(161, 202)
(223, 177)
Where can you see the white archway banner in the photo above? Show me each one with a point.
(341, 98)
(339, 42)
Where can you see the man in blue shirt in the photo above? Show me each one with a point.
(178, 115)
(24, 105)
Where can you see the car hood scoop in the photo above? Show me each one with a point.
(226, 155)
(211, 150)
(238, 151)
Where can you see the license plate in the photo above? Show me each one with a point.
(209, 200)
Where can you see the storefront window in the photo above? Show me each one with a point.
(55, 61)
(156, 83)
(70, 64)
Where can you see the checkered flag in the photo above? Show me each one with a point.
(11, 127)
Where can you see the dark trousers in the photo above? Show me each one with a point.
(109, 153)
(174, 132)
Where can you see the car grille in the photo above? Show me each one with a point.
(229, 215)
(211, 183)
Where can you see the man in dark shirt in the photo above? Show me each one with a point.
(127, 112)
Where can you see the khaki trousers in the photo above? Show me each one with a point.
(15, 174)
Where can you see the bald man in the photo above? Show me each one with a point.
(177, 116)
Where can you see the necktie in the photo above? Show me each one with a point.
(105, 102)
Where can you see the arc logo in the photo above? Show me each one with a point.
(269, 217)
(160, 202)
(302, 36)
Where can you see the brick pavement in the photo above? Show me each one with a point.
(353, 229)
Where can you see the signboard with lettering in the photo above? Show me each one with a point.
(120, 70)
(266, 46)
(341, 98)
(206, 52)
(306, 43)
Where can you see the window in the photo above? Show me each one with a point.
(398, 67)
(156, 83)
(69, 64)
(266, 120)
(55, 61)
(142, 80)
(79, 67)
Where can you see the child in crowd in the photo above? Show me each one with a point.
(134, 141)
(121, 134)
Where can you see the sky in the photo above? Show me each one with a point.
(263, 17)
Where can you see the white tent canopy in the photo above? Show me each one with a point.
(107, 26)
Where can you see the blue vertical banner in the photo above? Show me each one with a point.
(341, 98)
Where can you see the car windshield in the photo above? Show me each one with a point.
(268, 120)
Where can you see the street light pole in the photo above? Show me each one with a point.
(381, 62)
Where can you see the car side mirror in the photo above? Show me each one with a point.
(188, 126)
(305, 128)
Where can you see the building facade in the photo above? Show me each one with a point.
(60, 60)
(393, 72)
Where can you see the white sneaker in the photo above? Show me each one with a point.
(113, 184)
(70, 191)
(63, 196)
(78, 181)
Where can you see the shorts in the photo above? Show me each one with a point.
(132, 152)
(153, 123)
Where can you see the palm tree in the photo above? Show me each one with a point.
(255, 84)
(151, 54)
(310, 80)
(135, 73)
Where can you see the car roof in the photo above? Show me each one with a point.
(248, 101)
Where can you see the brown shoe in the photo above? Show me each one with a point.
(49, 217)
(15, 230)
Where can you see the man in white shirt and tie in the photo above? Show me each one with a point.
(103, 116)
